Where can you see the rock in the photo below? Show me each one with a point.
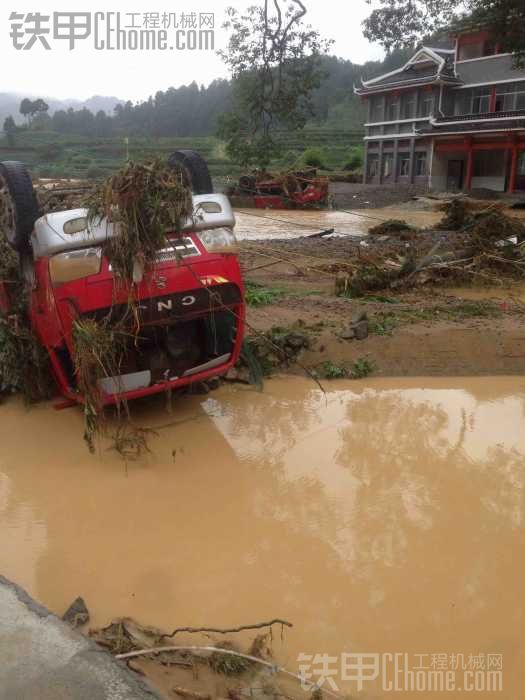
(359, 316)
(275, 360)
(296, 340)
(347, 333)
(199, 388)
(213, 383)
(238, 374)
(361, 330)
(77, 614)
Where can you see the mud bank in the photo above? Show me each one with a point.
(386, 515)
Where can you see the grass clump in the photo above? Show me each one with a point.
(362, 367)
(144, 201)
(257, 295)
(229, 664)
(330, 370)
(382, 324)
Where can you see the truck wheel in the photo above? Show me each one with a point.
(195, 168)
(18, 204)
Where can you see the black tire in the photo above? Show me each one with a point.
(195, 168)
(18, 204)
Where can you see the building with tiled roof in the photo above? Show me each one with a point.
(451, 118)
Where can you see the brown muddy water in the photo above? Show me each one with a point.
(388, 519)
(254, 224)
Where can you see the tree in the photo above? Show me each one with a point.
(31, 107)
(275, 63)
(399, 23)
(39, 106)
(26, 107)
(10, 130)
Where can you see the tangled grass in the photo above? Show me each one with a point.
(144, 200)
(98, 353)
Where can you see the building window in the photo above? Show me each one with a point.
(373, 167)
(375, 130)
(463, 102)
(388, 162)
(510, 97)
(421, 164)
(406, 128)
(426, 104)
(408, 105)
(403, 168)
(480, 100)
(376, 109)
(391, 109)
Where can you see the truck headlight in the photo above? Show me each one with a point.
(75, 264)
(218, 240)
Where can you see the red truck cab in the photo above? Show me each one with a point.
(188, 320)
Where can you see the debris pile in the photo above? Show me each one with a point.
(61, 197)
(487, 245)
(285, 190)
(392, 227)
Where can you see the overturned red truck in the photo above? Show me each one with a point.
(301, 189)
(190, 305)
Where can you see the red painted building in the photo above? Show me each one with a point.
(451, 118)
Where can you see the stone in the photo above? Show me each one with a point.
(347, 333)
(77, 614)
(238, 374)
(361, 330)
(296, 340)
(359, 316)
(199, 388)
(232, 375)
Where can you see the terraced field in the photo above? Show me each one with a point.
(49, 154)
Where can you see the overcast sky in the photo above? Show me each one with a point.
(84, 71)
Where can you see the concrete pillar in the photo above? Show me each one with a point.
(380, 156)
(394, 165)
(470, 166)
(412, 160)
(365, 163)
(513, 168)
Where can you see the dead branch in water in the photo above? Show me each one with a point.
(241, 628)
(218, 650)
(186, 693)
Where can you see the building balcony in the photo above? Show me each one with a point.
(482, 116)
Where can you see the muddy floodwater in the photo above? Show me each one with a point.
(254, 224)
(388, 517)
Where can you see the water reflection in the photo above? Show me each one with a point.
(387, 517)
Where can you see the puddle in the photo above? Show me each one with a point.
(390, 520)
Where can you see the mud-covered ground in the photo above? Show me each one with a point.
(448, 324)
